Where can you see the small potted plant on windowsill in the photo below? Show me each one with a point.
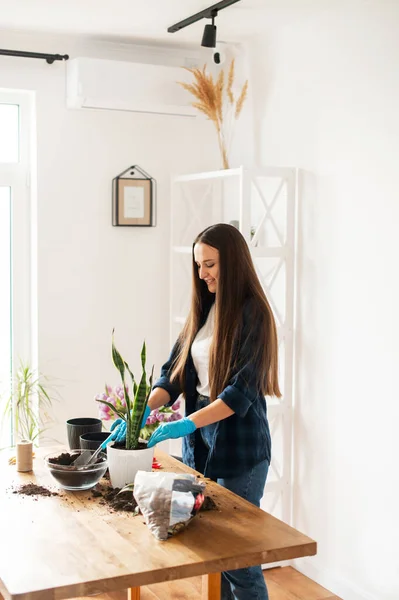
(125, 459)
(27, 408)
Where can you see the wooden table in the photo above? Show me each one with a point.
(69, 545)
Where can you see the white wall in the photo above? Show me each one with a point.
(91, 276)
(327, 102)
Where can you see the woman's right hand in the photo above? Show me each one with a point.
(118, 428)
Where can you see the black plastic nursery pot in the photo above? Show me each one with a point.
(79, 426)
(91, 441)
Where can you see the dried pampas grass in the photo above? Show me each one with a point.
(210, 96)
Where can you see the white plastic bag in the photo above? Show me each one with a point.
(168, 501)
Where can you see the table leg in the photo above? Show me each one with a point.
(133, 593)
(211, 586)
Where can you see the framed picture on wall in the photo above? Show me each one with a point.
(133, 198)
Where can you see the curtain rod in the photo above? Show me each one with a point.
(49, 58)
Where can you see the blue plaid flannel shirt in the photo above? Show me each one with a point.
(242, 440)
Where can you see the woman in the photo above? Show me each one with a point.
(224, 362)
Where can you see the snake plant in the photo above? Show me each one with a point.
(135, 405)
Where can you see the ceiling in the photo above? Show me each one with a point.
(149, 19)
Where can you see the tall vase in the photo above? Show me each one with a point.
(223, 150)
(225, 132)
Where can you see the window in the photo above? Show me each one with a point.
(5, 297)
(16, 265)
(9, 127)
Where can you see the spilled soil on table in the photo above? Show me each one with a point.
(116, 501)
(209, 504)
(31, 489)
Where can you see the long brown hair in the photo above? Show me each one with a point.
(238, 286)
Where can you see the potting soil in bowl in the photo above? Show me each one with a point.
(76, 478)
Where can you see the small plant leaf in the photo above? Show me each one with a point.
(150, 380)
(120, 414)
(134, 385)
(118, 360)
(143, 356)
(128, 488)
(140, 403)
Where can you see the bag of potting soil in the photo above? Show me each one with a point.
(168, 501)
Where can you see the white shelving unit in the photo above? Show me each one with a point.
(261, 202)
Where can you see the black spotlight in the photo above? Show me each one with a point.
(209, 36)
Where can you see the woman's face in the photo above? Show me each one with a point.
(207, 261)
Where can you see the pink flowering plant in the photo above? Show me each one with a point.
(159, 416)
(116, 397)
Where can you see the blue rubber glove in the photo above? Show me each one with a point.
(145, 416)
(118, 428)
(174, 430)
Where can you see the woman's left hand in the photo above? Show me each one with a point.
(174, 430)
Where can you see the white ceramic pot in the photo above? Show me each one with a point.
(124, 464)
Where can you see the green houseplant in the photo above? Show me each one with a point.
(28, 404)
(135, 406)
(123, 465)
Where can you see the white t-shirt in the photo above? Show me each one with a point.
(200, 352)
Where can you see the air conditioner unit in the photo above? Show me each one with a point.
(128, 86)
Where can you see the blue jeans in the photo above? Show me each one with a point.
(248, 583)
